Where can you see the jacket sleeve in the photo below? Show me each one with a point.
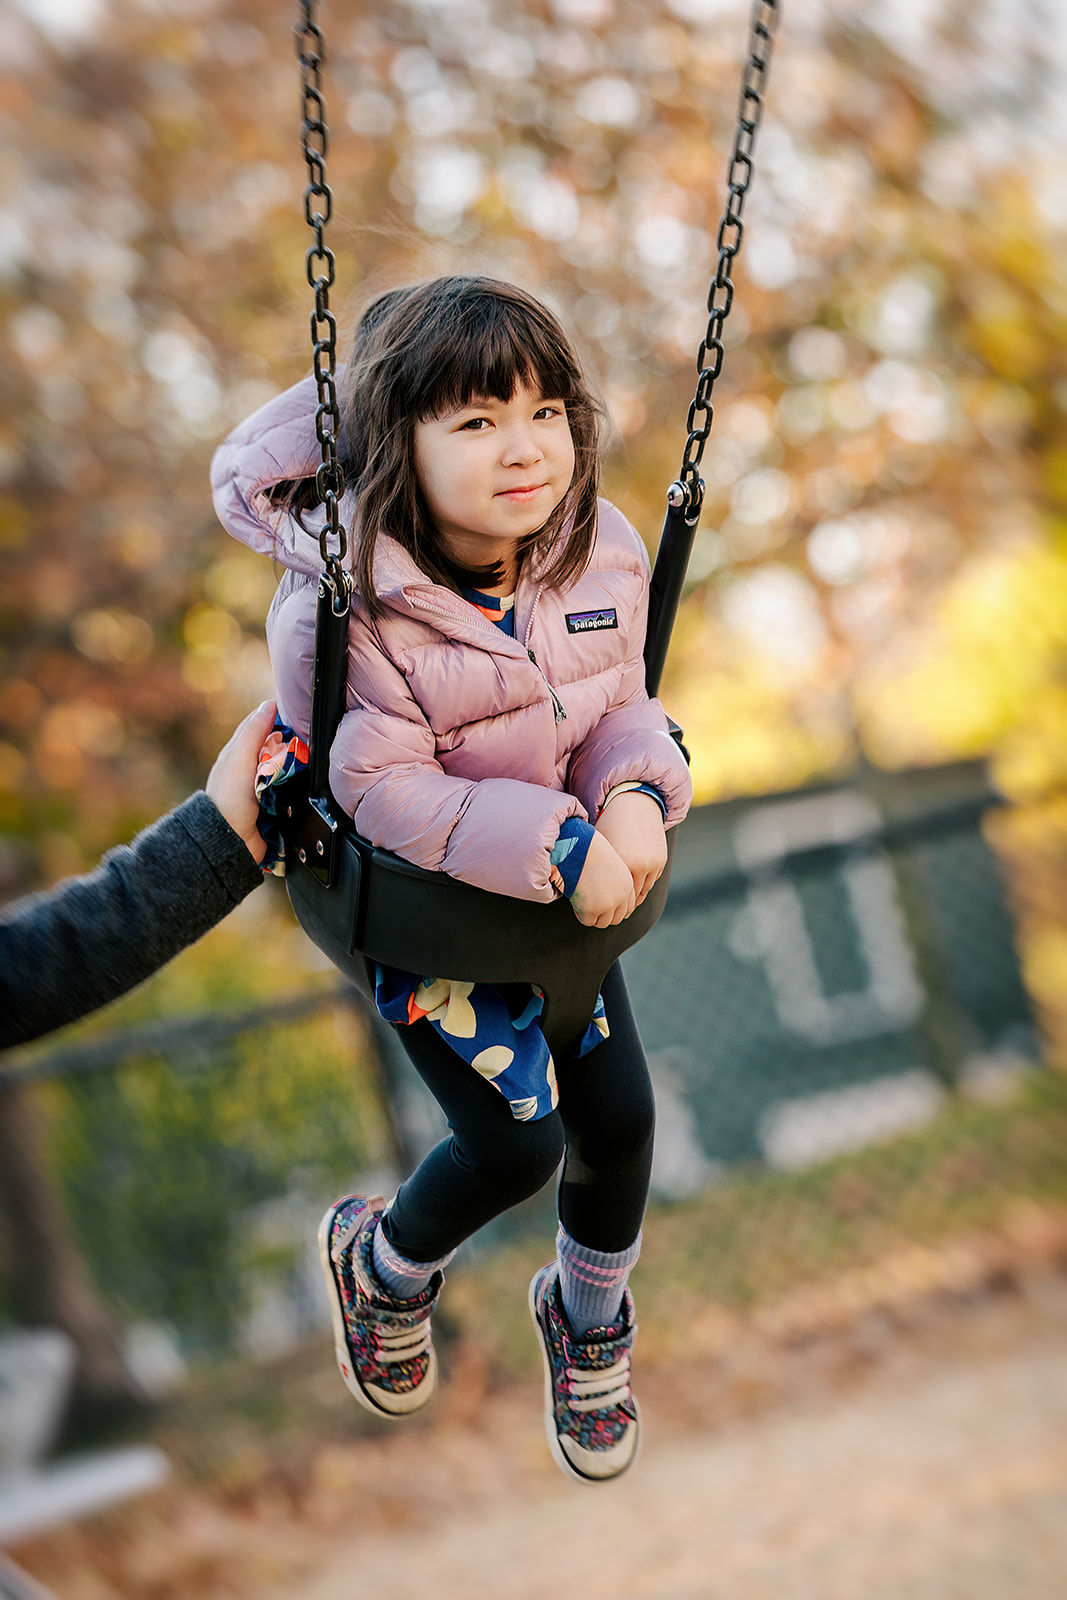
(631, 742)
(495, 833)
(64, 953)
(275, 444)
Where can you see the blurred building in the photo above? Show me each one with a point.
(829, 964)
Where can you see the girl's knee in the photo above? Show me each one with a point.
(622, 1132)
(521, 1158)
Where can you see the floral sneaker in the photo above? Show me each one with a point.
(382, 1345)
(591, 1417)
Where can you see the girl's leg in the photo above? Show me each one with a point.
(490, 1162)
(608, 1111)
(579, 1303)
(609, 1114)
(382, 1269)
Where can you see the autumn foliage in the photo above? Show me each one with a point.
(882, 565)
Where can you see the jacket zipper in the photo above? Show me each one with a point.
(557, 704)
(559, 709)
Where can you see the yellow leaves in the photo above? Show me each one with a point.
(1033, 757)
(745, 731)
(1001, 411)
(1043, 955)
(177, 42)
(243, 584)
(209, 630)
(1014, 607)
(1015, 242)
(220, 659)
(1004, 331)
(210, 635)
(896, 135)
(1055, 474)
(986, 677)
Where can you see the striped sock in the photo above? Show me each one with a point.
(592, 1281)
(400, 1278)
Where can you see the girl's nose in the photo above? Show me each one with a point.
(521, 448)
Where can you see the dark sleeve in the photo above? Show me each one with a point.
(89, 940)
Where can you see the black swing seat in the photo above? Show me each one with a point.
(380, 908)
(363, 905)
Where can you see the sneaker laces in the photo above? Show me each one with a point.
(593, 1391)
(402, 1343)
(405, 1335)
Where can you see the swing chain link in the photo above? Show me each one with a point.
(321, 271)
(688, 489)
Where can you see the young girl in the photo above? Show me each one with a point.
(498, 729)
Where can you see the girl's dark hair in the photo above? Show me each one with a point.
(300, 496)
(430, 351)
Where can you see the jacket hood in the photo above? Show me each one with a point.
(275, 444)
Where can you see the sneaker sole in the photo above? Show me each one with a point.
(559, 1455)
(345, 1365)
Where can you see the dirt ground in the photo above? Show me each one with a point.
(898, 1435)
(939, 1475)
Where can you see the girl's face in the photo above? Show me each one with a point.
(493, 472)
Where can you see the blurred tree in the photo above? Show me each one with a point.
(47, 1282)
(892, 406)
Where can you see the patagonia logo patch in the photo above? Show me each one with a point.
(591, 621)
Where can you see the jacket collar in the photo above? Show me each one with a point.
(405, 588)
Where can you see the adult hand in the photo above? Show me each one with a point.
(231, 781)
(605, 891)
(632, 823)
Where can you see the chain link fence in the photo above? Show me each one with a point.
(835, 970)
(846, 964)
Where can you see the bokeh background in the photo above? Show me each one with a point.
(877, 597)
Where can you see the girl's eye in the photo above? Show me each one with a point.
(474, 424)
(553, 410)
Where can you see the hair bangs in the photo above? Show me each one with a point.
(488, 348)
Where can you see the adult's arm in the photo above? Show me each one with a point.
(66, 952)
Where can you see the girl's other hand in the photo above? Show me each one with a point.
(632, 823)
(605, 892)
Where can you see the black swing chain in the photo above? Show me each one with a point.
(688, 489)
(319, 262)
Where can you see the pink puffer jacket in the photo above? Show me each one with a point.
(463, 750)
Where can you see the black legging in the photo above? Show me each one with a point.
(602, 1128)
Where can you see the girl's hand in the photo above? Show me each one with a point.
(632, 823)
(605, 892)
